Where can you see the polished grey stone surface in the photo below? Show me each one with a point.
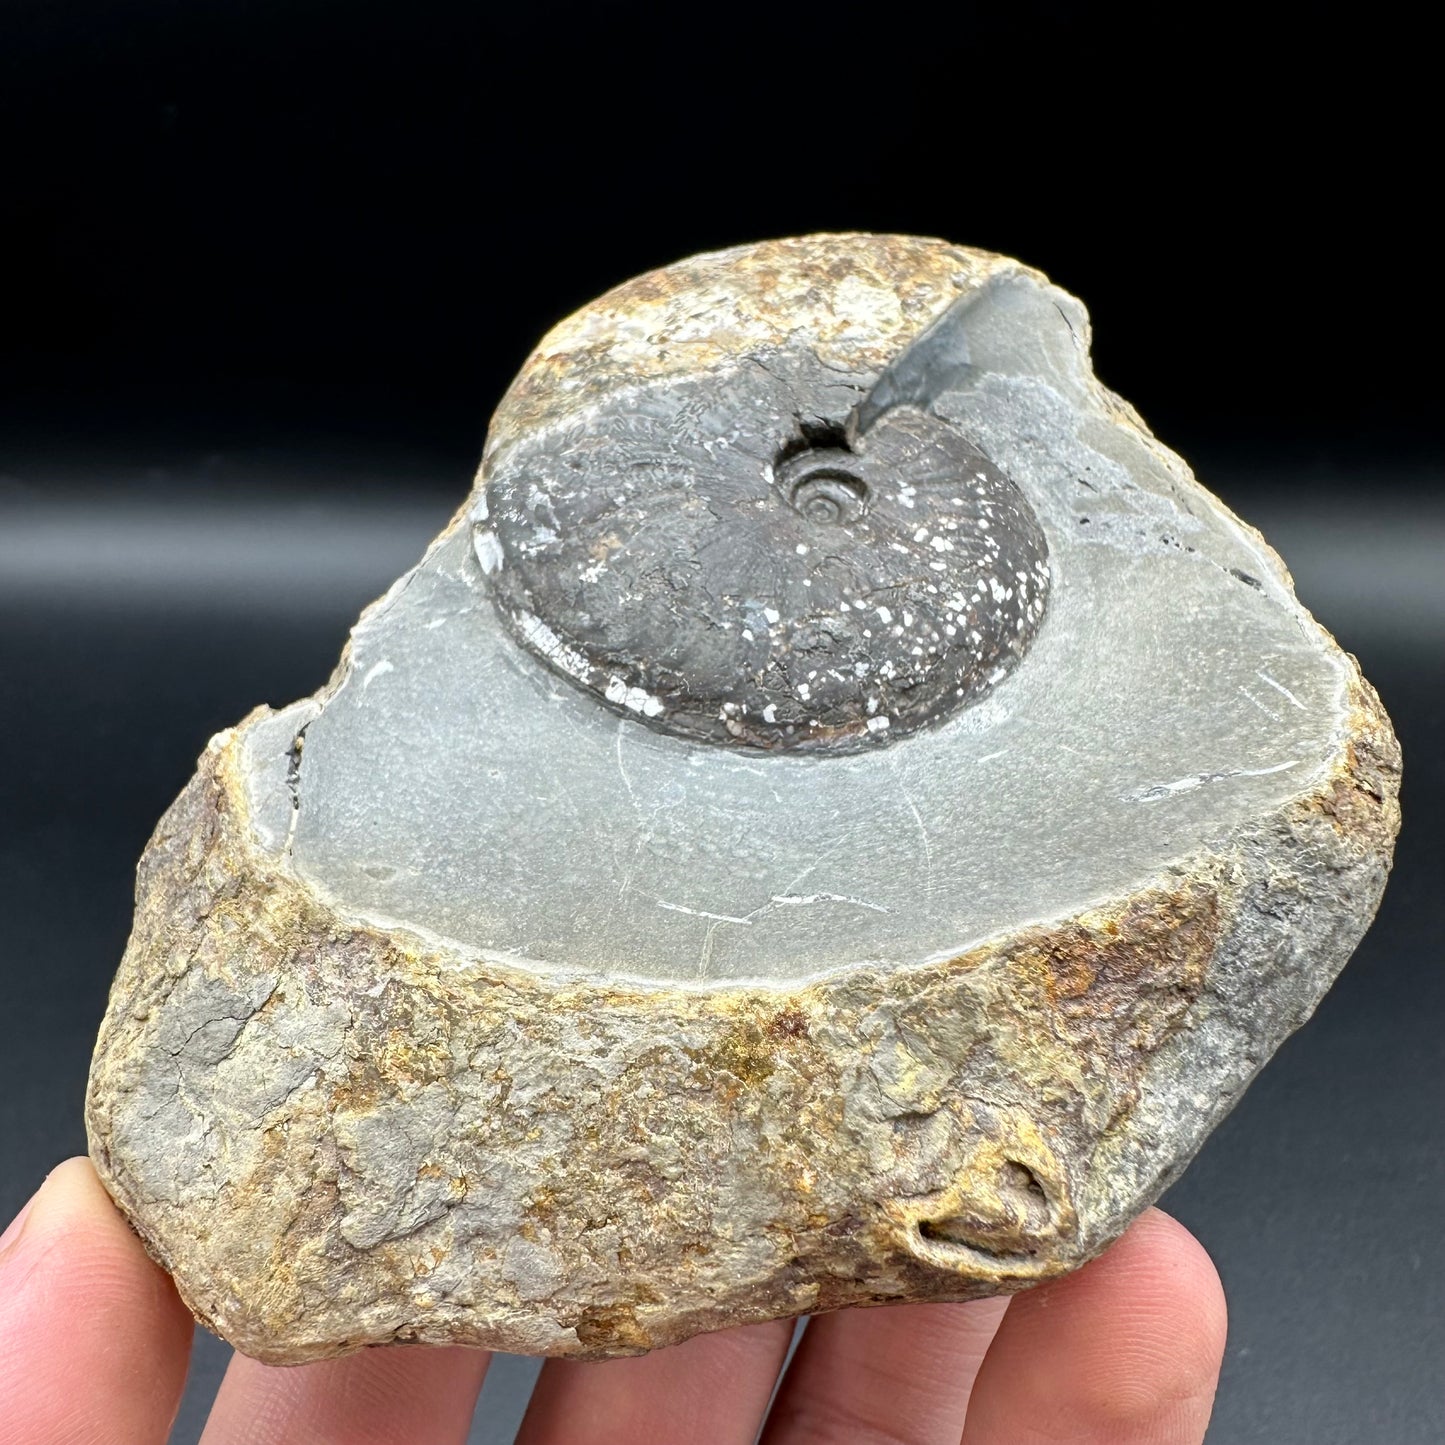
(454, 783)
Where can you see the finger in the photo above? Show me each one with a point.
(382, 1396)
(1126, 1351)
(713, 1388)
(93, 1338)
(898, 1374)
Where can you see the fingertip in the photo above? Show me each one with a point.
(89, 1324)
(1167, 1259)
(713, 1387)
(69, 1197)
(1128, 1347)
(376, 1397)
(72, 1196)
(75, 1229)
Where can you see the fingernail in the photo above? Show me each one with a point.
(12, 1230)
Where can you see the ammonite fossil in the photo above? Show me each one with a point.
(837, 818)
(731, 558)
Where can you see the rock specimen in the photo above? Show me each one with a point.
(837, 818)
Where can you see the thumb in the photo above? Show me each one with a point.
(93, 1338)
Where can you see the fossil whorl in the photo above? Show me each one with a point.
(770, 551)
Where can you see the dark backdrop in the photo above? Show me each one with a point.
(267, 265)
(264, 213)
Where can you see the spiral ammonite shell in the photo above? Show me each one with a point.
(725, 557)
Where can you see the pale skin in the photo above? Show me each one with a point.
(94, 1344)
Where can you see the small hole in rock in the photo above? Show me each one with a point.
(969, 1234)
(814, 434)
(956, 1230)
(1022, 1177)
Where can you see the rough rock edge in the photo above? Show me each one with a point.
(958, 1129)
(944, 1132)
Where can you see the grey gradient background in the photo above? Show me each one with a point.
(266, 268)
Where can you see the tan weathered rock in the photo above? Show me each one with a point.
(461, 1006)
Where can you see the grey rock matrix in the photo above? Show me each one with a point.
(837, 818)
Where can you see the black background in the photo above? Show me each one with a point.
(267, 267)
(243, 216)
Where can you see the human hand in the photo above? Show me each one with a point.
(94, 1343)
